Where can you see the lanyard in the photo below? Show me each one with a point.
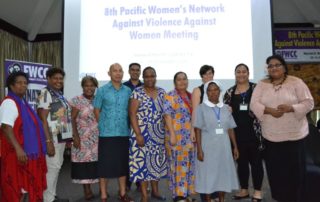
(217, 113)
(57, 94)
(243, 96)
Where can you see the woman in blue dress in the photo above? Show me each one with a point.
(147, 159)
(215, 169)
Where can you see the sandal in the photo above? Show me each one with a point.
(125, 198)
(89, 197)
(235, 197)
(254, 199)
(105, 199)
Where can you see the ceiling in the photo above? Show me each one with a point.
(33, 16)
(45, 16)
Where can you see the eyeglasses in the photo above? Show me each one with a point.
(275, 65)
(21, 82)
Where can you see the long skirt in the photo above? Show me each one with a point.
(286, 169)
(15, 177)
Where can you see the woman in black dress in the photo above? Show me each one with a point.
(238, 98)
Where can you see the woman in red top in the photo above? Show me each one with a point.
(23, 149)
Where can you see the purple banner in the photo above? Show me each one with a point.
(298, 45)
(297, 39)
(36, 73)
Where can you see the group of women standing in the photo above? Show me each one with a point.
(193, 139)
(31, 146)
(162, 131)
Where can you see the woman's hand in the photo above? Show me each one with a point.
(276, 113)
(76, 141)
(21, 155)
(235, 153)
(200, 155)
(74, 115)
(50, 149)
(173, 139)
(43, 114)
(193, 135)
(284, 108)
(168, 149)
(8, 133)
(140, 140)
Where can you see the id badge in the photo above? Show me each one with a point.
(66, 135)
(219, 131)
(243, 107)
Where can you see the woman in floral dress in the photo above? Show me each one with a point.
(181, 154)
(84, 153)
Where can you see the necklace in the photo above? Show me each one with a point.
(278, 86)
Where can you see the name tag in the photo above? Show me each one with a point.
(219, 131)
(243, 107)
(66, 135)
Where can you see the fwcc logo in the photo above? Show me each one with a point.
(15, 67)
(36, 71)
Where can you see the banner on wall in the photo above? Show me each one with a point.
(37, 77)
(298, 45)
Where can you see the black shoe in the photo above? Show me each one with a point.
(57, 199)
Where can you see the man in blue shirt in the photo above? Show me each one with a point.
(134, 72)
(111, 111)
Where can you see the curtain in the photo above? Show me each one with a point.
(11, 47)
(48, 52)
(15, 48)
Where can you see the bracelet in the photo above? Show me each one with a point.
(48, 140)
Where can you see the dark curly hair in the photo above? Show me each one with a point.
(55, 70)
(13, 77)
